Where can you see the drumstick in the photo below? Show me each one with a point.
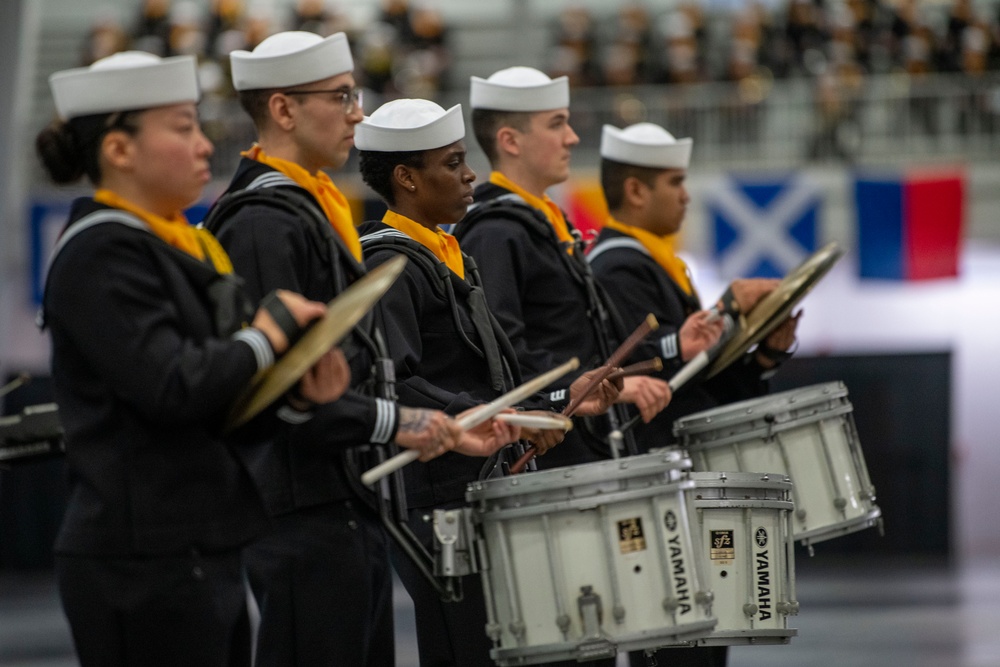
(679, 379)
(19, 381)
(476, 417)
(646, 327)
(544, 422)
(641, 368)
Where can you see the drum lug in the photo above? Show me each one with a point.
(750, 609)
(704, 598)
(494, 631)
(840, 503)
(788, 608)
(563, 622)
(589, 604)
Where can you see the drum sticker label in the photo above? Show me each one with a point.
(630, 537)
(723, 547)
(763, 575)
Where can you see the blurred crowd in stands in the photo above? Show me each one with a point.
(403, 52)
(406, 49)
(832, 46)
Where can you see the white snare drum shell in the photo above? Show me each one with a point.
(747, 554)
(597, 557)
(807, 434)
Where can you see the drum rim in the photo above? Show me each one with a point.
(721, 416)
(629, 467)
(692, 632)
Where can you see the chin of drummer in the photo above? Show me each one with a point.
(488, 437)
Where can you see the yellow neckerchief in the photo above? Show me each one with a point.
(544, 204)
(332, 200)
(661, 249)
(443, 245)
(175, 231)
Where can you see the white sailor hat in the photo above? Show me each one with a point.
(289, 59)
(519, 89)
(124, 81)
(409, 125)
(645, 145)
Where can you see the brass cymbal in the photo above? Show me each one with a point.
(342, 313)
(776, 306)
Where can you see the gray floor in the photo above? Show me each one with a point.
(852, 615)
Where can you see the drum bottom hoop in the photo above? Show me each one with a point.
(868, 520)
(537, 655)
(746, 638)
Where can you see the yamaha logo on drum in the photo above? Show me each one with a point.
(761, 537)
(630, 536)
(670, 520)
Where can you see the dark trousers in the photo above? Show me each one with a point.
(322, 582)
(451, 634)
(156, 611)
(702, 656)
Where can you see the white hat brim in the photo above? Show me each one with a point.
(619, 146)
(316, 61)
(86, 91)
(442, 131)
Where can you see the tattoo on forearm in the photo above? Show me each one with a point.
(413, 421)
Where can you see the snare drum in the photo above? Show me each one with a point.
(807, 434)
(747, 553)
(581, 562)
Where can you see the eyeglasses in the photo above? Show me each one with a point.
(350, 98)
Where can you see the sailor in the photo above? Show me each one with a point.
(149, 350)
(537, 282)
(643, 170)
(321, 574)
(449, 352)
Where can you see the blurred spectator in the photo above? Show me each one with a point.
(805, 33)
(315, 16)
(106, 36)
(679, 56)
(396, 13)
(187, 30)
(225, 21)
(152, 30)
(575, 52)
(627, 61)
(742, 112)
(839, 86)
(426, 60)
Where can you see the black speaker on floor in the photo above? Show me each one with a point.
(902, 409)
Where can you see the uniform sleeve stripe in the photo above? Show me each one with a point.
(385, 421)
(258, 342)
(292, 416)
(668, 346)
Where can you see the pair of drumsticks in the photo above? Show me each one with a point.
(610, 370)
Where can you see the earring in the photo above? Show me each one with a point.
(413, 187)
